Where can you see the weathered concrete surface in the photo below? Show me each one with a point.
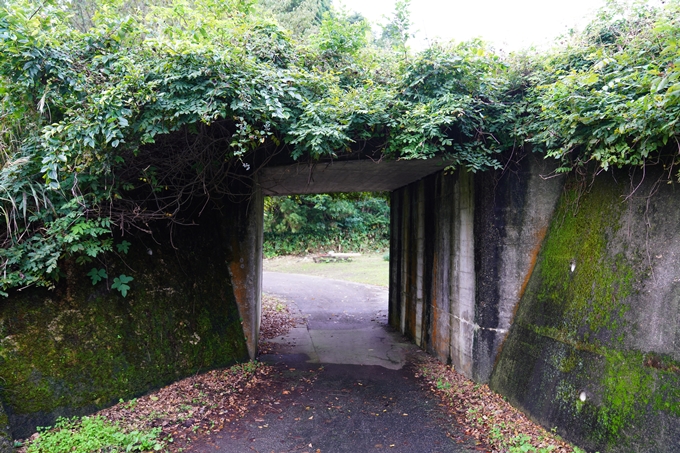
(463, 247)
(81, 347)
(359, 175)
(6, 442)
(595, 346)
(245, 267)
(513, 209)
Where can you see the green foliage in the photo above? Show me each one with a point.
(90, 435)
(97, 275)
(121, 284)
(303, 223)
(455, 102)
(301, 17)
(522, 444)
(77, 107)
(339, 37)
(123, 247)
(443, 385)
(119, 113)
(396, 32)
(613, 95)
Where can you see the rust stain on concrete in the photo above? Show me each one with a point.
(540, 235)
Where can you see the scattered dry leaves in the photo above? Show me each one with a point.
(193, 406)
(485, 414)
(277, 321)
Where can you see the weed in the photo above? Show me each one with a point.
(522, 444)
(443, 385)
(90, 434)
(130, 405)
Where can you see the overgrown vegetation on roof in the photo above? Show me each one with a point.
(115, 114)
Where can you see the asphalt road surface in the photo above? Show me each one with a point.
(343, 382)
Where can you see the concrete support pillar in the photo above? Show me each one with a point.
(245, 266)
(462, 276)
(463, 247)
(432, 289)
(420, 263)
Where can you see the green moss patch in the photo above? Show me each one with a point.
(583, 287)
(83, 346)
(568, 359)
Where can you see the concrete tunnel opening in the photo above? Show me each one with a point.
(350, 329)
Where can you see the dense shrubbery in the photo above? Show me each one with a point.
(612, 95)
(144, 112)
(311, 223)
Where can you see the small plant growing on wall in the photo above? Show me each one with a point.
(120, 283)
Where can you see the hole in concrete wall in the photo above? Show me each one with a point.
(325, 224)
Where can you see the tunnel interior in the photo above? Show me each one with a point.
(360, 175)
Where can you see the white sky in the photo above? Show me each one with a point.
(508, 24)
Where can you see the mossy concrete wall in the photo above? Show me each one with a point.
(565, 293)
(595, 347)
(462, 248)
(193, 305)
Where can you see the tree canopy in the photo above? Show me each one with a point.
(115, 114)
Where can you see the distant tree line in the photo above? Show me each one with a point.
(301, 224)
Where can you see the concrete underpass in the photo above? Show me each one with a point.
(462, 245)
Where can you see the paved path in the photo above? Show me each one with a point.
(345, 321)
(343, 382)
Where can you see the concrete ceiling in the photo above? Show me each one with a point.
(345, 176)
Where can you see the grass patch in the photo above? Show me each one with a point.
(93, 434)
(370, 269)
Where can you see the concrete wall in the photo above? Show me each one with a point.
(595, 347)
(463, 247)
(245, 267)
(193, 305)
(563, 293)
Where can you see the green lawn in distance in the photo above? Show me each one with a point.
(370, 269)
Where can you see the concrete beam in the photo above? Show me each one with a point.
(363, 175)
